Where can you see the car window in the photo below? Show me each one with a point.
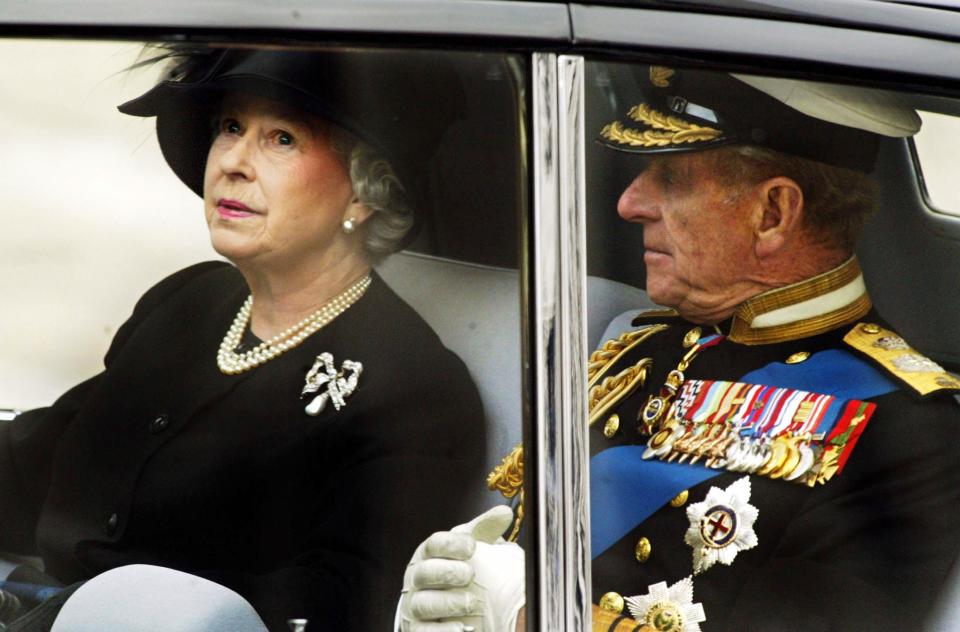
(933, 146)
(675, 155)
(411, 406)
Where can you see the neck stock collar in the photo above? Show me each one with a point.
(806, 308)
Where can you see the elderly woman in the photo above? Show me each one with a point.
(282, 426)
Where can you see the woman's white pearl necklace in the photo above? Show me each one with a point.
(232, 363)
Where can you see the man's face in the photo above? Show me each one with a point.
(697, 234)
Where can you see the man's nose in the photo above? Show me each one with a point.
(635, 203)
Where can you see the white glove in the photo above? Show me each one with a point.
(465, 579)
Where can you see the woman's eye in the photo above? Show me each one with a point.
(230, 126)
(284, 138)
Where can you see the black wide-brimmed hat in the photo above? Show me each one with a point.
(401, 103)
(677, 110)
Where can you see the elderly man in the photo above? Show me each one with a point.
(767, 454)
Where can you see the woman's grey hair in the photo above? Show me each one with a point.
(377, 186)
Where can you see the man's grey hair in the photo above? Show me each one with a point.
(377, 186)
(837, 201)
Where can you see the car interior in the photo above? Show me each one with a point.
(465, 272)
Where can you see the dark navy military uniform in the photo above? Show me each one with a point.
(867, 550)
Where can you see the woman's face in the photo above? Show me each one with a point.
(275, 192)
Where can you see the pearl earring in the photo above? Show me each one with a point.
(349, 226)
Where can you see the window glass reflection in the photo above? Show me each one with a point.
(748, 415)
(290, 418)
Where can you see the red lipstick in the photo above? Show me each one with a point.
(234, 209)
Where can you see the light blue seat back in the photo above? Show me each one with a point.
(476, 312)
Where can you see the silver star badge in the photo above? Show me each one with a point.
(721, 525)
(339, 384)
(669, 609)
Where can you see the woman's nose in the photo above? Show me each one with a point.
(636, 204)
(235, 160)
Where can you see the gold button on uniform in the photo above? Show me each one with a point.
(642, 550)
(680, 499)
(610, 428)
(692, 337)
(612, 602)
(870, 328)
(798, 357)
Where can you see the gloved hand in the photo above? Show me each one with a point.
(465, 579)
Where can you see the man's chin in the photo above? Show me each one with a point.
(662, 292)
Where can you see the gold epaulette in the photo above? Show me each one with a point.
(895, 356)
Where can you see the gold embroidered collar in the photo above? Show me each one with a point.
(807, 308)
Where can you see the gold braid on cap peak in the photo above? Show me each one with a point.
(667, 130)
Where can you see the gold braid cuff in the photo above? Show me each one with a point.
(507, 478)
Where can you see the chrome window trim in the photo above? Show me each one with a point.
(546, 350)
(573, 286)
(559, 343)
(488, 18)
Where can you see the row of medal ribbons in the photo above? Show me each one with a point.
(780, 433)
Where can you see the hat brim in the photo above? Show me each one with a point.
(185, 114)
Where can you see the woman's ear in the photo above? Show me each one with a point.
(357, 211)
(781, 215)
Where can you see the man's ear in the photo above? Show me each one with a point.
(780, 212)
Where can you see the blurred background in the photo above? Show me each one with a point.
(90, 215)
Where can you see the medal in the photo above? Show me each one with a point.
(668, 609)
(721, 525)
(653, 411)
(775, 432)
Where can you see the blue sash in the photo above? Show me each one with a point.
(625, 490)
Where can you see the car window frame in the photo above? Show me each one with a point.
(553, 301)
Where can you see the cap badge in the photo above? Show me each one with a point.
(660, 76)
(668, 609)
(339, 384)
(721, 525)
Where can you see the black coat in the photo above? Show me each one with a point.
(162, 459)
(866, 551)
